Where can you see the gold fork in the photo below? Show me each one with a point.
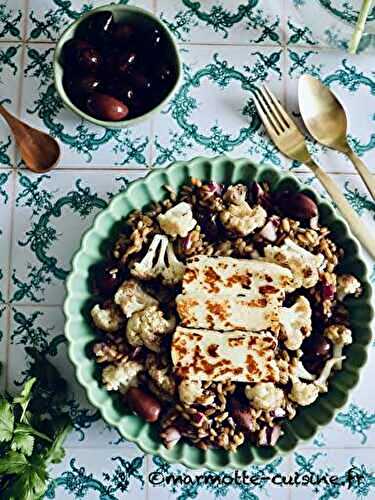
(290, 141)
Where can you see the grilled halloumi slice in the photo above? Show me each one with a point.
(226, 275)
(228, 313)
(237, 356)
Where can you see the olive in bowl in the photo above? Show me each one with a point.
(116, 66)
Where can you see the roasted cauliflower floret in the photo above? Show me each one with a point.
(132, 298)
(160, 260)
(347, 284)
(304, 265)
(242, 219)
(235, 194)
(161, 376)
(265, 396)
(322, 381)
(302, 393)
(178, 220)
(108, 319)
(148, 327)
(190, 391)
(121, 377)
(296, 323)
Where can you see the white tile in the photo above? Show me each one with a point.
(52, 212)
(325, 465)
(99, 475)
(47, 19)
(329, 24)
(176, 481)
(82, 144)
(6, 186)
(10, 74)
(12, 19)
(221, 21)
(349, 77)
(213, 112)
(3, 344)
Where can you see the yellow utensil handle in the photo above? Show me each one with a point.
(355, 223)
(364, 172)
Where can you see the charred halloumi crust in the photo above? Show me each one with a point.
(223, 293)
(227, 313)
(237, 356)
(218, 275)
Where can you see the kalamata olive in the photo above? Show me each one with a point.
(106, 107)
(313, 364)
(140, 81)
(123, 33)
(143, 404)
(297, 205)
(316, 345)
(82, 85)
(89, 60)
(96, 28)
(125, 62)
(257, 195)
(155, 38)
(70, 50)
(106, 278)
(209, 225)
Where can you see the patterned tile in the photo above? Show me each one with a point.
(241, 21)
(12, 19)
(47, 19)
(3, 344)
(83, 144)
(5, 222)
(327, 23)
(175, 481)
(350, 77)
(352, 470)
(213, 113)
(102, 475)
(10, 74)
(51, 213)
(41, 328)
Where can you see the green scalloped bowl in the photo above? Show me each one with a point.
(80, 335)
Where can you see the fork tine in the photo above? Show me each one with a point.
(281, 111)
(271, 108)
(267, 119)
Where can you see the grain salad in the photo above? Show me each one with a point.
(219, 312)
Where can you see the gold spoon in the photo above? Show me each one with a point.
(326, 120)
(39, 151)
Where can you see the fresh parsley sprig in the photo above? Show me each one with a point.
(30, 439)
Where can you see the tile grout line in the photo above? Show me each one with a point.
(147, 470)
(12, 197)
(26, 21)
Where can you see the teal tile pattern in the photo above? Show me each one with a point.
(227, 47)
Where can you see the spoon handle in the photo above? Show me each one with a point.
(355, 223)
(363, 172)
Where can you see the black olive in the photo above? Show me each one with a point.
(317, 345)
(123, 34)
(96, 28)
(70, 50)
(313, 364)
(106, 107)
(106, 278)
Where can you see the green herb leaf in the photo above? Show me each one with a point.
(56, 452)
(6, 421)
(23, 443)
(13, 463)
(24, 398)
(31, 485)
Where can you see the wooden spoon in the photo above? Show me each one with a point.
(39, 151)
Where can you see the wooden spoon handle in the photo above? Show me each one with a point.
(363, 171)
(14, 123)
(355, 223)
